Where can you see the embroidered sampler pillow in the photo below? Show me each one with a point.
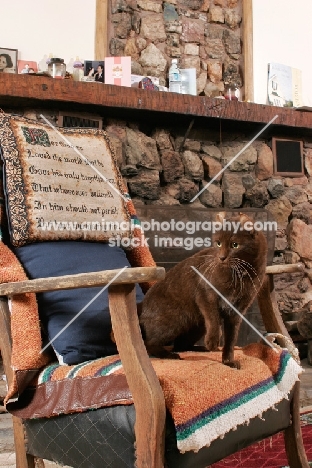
(61, 184)
(65, 199)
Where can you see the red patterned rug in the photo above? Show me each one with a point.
(269, 453)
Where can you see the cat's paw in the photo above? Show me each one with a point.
(168, 355)
(173, 356)
(233, 364)
(161, 352)
(212, 344)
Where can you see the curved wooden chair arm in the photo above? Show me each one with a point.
(287, 268)
(271, 316)
(269, 310)
(84, 280)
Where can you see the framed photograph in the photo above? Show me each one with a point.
(287, 157)
(94, 70)
(26, 66)
(8, 60)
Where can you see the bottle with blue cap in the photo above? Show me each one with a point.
(175, 83)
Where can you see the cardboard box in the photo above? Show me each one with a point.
(188, 78)
(118, 71)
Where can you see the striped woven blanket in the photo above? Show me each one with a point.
(205, 398)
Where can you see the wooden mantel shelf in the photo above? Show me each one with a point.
(20, 91)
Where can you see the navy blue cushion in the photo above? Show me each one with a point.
(88, 337)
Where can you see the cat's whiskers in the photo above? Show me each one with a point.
(234, 278)
(238, 273)
(233, 274)
(250, 267)
(243, 267)
(247, 264)
(205, 256)
(241, 278)
(210, 262)
(211, 266)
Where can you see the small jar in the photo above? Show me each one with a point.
(57, 68)
(232, 91)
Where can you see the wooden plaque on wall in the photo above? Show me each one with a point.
(287, 157)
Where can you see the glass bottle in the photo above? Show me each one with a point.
(78, 72)
(175, 83)
(57, 68)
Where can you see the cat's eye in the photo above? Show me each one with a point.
(234, 245)
(219, 243)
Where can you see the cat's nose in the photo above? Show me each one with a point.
(222, 257)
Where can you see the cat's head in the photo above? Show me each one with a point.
(238, 239)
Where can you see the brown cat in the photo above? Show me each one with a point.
(183, 308)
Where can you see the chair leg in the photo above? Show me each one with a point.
(23, 459)
(39, 463)
(293, 436)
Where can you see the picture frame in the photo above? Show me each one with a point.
(287, 157)
(26, 67)
(8, 60)
(90, 65)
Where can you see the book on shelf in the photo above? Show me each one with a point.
(284, 85)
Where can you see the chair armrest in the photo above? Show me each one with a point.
(271, 315)
(287, 268)
(84, 280)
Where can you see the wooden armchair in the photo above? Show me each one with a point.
(102, 428)
(150, 411)
(154, 434)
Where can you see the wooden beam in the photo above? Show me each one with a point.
(22, 91)
(248, 50)
(101, 30)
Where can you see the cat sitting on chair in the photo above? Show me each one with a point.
(183, 307)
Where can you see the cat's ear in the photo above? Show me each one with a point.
(220, 216)
(246, 222)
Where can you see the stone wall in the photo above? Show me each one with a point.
(159, 172)
(207, 35)
(201, 34)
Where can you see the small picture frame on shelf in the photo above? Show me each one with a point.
(94, 70)
(26, 67)
(8, 60)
